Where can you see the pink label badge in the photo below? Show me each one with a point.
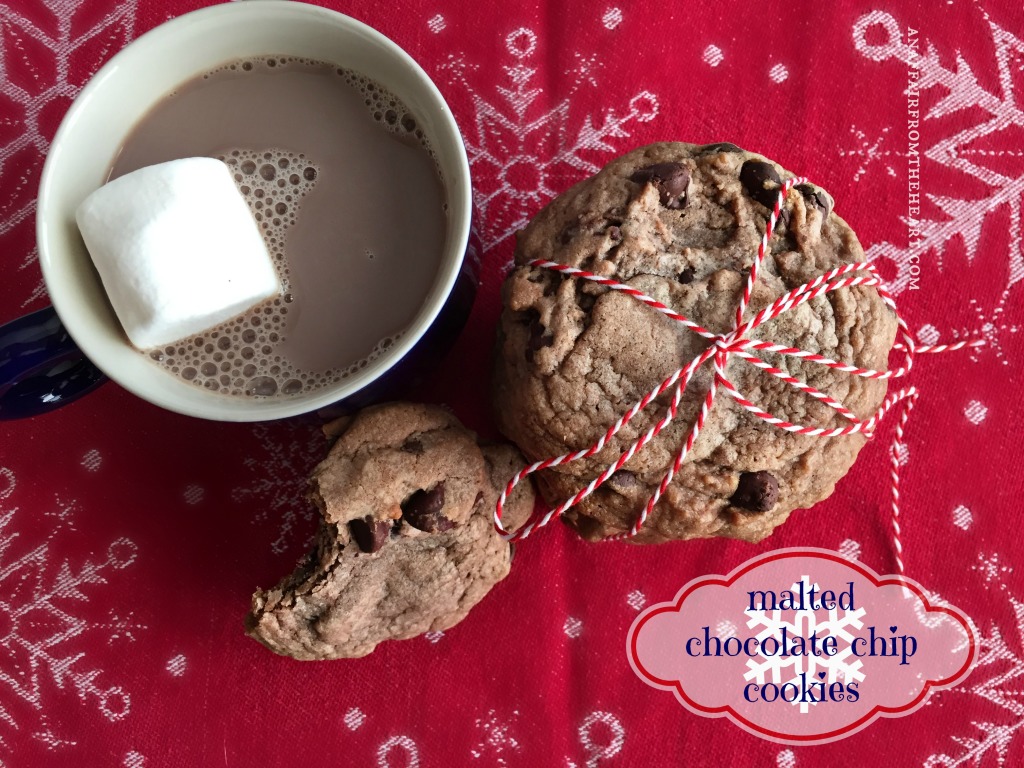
(802, 646)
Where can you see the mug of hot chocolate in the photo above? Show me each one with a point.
(254, 211)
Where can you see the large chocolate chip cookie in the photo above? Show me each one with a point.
(682, 223)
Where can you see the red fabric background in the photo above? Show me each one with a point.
(131, 539)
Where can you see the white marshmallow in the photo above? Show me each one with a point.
(177, 249)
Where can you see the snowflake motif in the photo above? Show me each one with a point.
(400, 743)
(868, 152)
(991, 326)
(37, 58)
(497, 737)
(806, 624)
(524, 151)
(990, 567)
(636, 600)
(39, 626)
(602, 736)
(963, 94)
(998, 679)
(572, 627)
(288, 452)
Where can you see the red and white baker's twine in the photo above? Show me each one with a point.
(737, 342)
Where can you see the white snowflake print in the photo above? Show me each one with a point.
(602, 736)
(991, 567)
(496, 738)
(991, 326)
(403, 745)
(277, 488)
(869, 152)
(523, 149)
(785, 759)
(963, 94)
(997, 679)
(36, 60)
(572, 627)
(805, 623)
(39, 624)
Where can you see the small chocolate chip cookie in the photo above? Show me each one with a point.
(682, 223)
(406, 542)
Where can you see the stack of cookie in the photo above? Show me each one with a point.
(406, 544)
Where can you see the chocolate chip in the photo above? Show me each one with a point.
(686, 276)
(413, 446)
(370, 533)
(588, 527)
(816, 198)
(761, 181)
(423, 509)
(615, 234)
(756, 491)
(539, 338)
(671, 180)
(722, 146)
(623, 480)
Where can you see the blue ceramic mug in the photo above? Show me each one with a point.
(54, 356)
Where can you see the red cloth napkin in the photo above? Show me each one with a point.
(131, 538)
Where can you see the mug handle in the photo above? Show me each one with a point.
(41, 368)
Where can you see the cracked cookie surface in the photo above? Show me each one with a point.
(406, 543)
(682, 223)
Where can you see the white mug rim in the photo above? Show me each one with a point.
(452, 264)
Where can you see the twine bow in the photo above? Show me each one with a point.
(737, 342)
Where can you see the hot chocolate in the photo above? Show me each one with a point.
(342, 182)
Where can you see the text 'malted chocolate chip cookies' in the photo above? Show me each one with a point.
(406, 543)
(682, 224)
